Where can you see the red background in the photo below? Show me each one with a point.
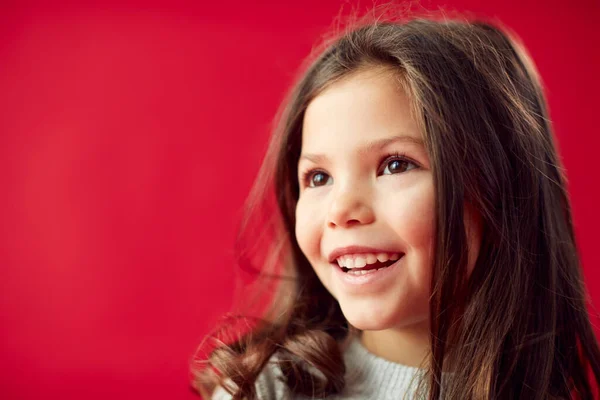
(130, 134)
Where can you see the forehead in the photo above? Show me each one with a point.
(362, 107)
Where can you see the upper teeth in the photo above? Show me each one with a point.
(360, 260)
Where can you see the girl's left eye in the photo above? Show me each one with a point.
(397, 164)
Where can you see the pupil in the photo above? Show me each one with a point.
(395, 165)
(318, 178)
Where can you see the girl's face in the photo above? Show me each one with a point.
(366, 197)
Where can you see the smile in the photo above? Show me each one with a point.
(366, 262)
(372, 277)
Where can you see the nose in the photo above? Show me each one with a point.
(350, 207)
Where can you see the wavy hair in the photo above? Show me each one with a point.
(517, 327)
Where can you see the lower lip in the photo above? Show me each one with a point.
(375, 279)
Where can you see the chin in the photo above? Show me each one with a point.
(374, 315)
(368, 318)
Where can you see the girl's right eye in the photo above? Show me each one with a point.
(316, 178)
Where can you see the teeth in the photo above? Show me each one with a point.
(360, 260)
(364, 272)
(383, 257)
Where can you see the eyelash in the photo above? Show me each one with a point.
(306, 175)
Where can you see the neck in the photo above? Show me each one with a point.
(407, 345)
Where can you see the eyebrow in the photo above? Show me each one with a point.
(369, 147)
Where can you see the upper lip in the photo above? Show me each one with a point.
(341, 251)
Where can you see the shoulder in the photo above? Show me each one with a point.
(269, 385)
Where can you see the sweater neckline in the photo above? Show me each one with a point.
(357, 350)
(370, 376)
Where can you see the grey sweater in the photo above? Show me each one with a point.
(367, 377)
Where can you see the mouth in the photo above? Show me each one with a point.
(369, 268)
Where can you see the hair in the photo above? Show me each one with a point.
(517, 327)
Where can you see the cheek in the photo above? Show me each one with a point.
(307, 228)
(412, 215)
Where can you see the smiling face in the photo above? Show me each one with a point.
(366, 192)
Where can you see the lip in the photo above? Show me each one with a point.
(341, 251)
(372, 282)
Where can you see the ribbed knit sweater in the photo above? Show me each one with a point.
(367, 377)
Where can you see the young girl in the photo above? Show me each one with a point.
(426, 225)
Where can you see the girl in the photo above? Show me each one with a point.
(426, 227)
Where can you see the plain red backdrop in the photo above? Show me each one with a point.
(130, 134)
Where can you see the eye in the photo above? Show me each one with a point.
(397, 164)
(316, 178)
(394, 164)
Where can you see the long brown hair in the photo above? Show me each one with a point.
(517, 326)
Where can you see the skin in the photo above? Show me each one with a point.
(360, 196)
